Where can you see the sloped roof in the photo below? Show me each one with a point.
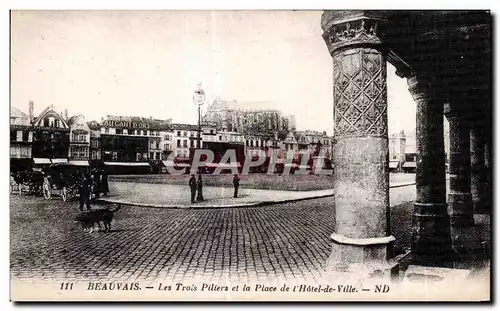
(94, 125)
(50, 110)
(185, 127)
(15, 112)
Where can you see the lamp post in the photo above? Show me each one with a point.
(199, 100)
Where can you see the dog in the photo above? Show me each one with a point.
(88, 219)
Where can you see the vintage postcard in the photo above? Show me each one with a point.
(250, 155)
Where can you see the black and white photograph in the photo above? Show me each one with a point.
(250, 155)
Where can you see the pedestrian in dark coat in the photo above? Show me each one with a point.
(200, 189)
(104, 181)
(192, 187)
(96, 175)
(84, 189)
(236, 183)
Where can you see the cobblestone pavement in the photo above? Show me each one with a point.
(283, 240)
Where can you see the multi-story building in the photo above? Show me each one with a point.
(79, 140)
(21, 138)
(131, 144)
(256, 145)
(50, 136)
(185, 137)
(410, 154)
(144, 142)
(131, 139)
(95, 141)
(312, 142)
(166, 142)
(397, 145)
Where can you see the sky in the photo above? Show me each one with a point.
(148, 63)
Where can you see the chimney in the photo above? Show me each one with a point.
(30, 111)
(66, 114)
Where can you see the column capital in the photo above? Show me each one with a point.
(421, 86)
(343, 29)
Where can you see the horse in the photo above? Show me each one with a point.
(28, 178)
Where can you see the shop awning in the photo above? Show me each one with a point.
(80, 163)
(126, 163)
(54, 161)
(41, 161)
(410, 165)
(393, 164)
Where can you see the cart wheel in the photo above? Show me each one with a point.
(46, 191)
(64, 193)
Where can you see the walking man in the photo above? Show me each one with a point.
(236, 183)
(192, 186)
(200, 189)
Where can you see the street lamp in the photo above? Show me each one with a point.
(199, 100)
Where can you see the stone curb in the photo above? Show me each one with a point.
(194, 206)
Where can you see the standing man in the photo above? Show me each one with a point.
(236, 183)
(96, 176)
(200, 189)
(192, 186)
(84, 190)
(104, 180)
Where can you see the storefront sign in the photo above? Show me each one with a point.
(125, 124)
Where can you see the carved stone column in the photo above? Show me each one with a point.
(487, 168)
(465, 236)
(360, 154)
(460, 198)
(431, 243)
(478, 178)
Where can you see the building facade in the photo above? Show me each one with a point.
(136, 141)
(79, 139)
(51, 135)
(95, 141)
(131, 139)
(21, 139)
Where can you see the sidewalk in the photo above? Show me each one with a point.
(175, 196)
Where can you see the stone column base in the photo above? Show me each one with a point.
(431, 243)
(361, 258)
(467, 246)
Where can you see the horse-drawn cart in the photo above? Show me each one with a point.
(63, 178)
(26, 181)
